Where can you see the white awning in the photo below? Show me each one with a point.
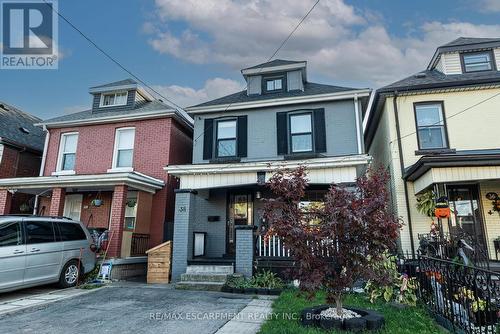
(134, 180)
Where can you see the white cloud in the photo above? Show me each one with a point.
(338, 40)
(213, 88)
(489, 5)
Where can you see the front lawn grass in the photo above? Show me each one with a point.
(409, 320)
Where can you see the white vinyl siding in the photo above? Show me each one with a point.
(439, 65)
(496, 52)
(451, 63)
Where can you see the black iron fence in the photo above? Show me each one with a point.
(463, 299)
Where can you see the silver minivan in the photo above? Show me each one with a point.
(36, 250)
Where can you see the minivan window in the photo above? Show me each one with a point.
(38, 232)
(71, 231)
(10, 234)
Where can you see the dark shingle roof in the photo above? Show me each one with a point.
(310, 88)
(434, 79)
(469, 41)
(12, 120)
(140, 108)
(276, 62)
(117, 83)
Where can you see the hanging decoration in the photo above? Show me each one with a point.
(495, 202)
(97, 201)
(442, 208)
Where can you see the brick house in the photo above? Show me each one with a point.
(104, 166)
(280, 120)
(21, 147)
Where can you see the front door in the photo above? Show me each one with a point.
(73, 206)
(465, 212)
(240, 212)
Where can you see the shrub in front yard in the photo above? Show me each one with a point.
(334, 244)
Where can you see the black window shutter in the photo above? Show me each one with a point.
(319, 131)
(208, 139)
(242, 136)
(282, 133)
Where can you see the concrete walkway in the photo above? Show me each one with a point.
(249, 320)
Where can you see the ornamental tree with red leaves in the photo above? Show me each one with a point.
(332, 244)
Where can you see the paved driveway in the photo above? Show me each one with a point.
(127, 309)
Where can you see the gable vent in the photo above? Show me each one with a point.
(24, 130)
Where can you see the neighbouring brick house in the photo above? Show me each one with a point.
(21, 146)
(280, 120)
(104, 166)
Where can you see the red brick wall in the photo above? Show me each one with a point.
(117, 219)
(158, 143)
(16, 163)
(57, 202)
(100, 215)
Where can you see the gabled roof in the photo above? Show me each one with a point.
(141, 109)
(13, 120)
(117, 83)
(310, 89)
(275, 62)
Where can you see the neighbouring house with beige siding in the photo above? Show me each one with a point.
(438, 130)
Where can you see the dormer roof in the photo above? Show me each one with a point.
(277, 65)
(463, 44)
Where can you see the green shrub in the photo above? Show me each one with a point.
(390, 284)
(267, 279)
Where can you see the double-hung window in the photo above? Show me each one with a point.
(431, 129)
(124, 148)
(67, 151)
(477, 61)
(226, 138)
(114, 99)
(274, 84)
(301, 136)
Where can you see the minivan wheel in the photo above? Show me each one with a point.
(69, 275)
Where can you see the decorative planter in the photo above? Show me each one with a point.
(226, 288)
(96, 202)
(369, 320)
(250, 291)
(238, 290)
(262, 291)
(275, 292)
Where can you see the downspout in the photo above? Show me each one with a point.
(42, 167)
(358, 126)
(402, 165)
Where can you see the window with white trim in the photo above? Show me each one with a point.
(301, 136)
(226, 138)
(114, 99)
(124, 148)
(431, 130)
(67, 151)
(477, 61)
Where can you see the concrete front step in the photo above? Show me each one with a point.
(195, 285)
(209, 269)
(205, 277)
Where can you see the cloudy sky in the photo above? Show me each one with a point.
(192, 50)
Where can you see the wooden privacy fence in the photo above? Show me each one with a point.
(159, 260)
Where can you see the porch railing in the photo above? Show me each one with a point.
(273, 246)
(139, 244)
(463, 299)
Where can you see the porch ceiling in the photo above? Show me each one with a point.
(135, 180)
(456, 174)
(320, 171)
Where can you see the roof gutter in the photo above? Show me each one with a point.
(281, 101)
(402, 166)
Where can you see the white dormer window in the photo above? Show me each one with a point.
(272, 85)
(477, 61)
(114, 99)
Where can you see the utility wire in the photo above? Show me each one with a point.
(105, 53)
(448, 117)
(269, 59)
